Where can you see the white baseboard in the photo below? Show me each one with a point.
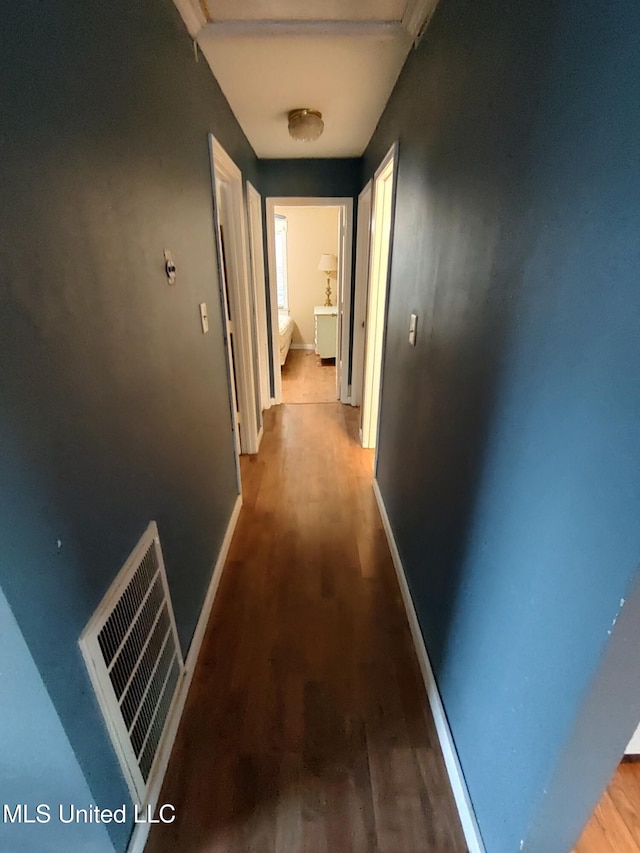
(301, 346)
(198, 634)
(141, 830)
(452, 762)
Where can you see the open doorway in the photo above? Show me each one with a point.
(309, 249)
(306, 249)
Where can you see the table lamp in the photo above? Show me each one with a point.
(327, 265)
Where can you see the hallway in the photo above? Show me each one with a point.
(307, 726)
(306, 378)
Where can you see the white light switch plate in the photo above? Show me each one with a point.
(413, 325)
(204, 318)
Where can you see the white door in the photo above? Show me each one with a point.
(234, 254)
(344, 318)
(363, 240)
(341, 356)
(227, 325)
(377, 298)
(254, 212)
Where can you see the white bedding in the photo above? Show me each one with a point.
(285, 329)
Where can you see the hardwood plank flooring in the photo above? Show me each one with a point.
(306, 378)
(614, 826)
(307, 727)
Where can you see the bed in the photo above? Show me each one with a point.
(285, 329)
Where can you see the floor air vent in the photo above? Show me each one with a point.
(133, 656)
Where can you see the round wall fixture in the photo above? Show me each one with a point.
(305, 125)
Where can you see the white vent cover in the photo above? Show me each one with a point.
(133, 656)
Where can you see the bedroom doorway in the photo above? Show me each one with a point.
(309, 262)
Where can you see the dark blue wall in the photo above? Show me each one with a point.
(509, 454)
(38, 765)
(310, 177)
(113, 405)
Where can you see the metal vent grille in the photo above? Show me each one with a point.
(133, 656)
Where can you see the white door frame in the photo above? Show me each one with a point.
(343, 297)
(226, 172)
(363, 243)
(222, 290)
(254, 216)
(375, 336)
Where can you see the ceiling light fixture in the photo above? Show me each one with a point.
(305, 125)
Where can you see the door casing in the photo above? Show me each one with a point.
(259, 293)
(227, 178)
(380, 251)
(363, 242)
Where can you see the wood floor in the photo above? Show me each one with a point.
(615, 824)
(306, 378)
(307, 727)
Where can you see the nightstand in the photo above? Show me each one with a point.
(326, 330)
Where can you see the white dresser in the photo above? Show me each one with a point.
(326, 330)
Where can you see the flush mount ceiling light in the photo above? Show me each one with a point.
(305, 125)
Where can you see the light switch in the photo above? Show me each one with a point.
(413, 324)
(204, 318)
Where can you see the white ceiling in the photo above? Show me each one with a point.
(341, 57)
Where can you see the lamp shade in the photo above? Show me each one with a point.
(328, 263)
